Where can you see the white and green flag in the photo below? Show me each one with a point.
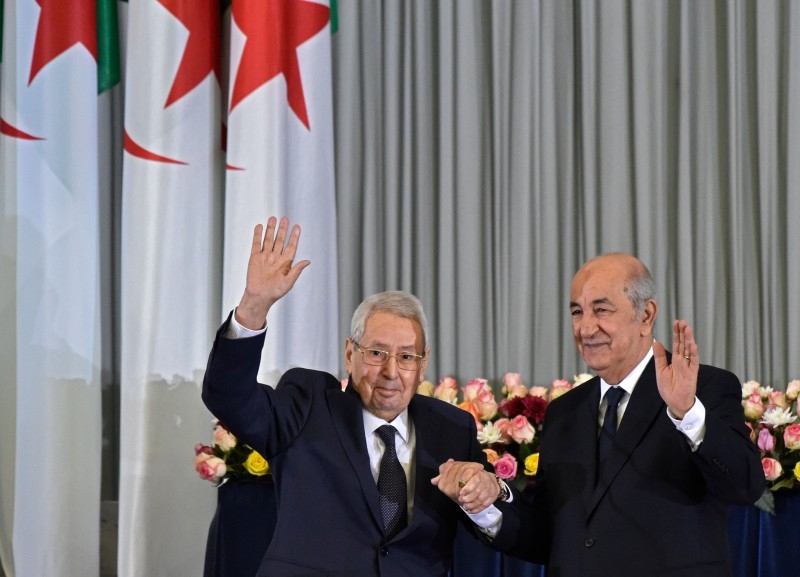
(280, 162)
(170, 278)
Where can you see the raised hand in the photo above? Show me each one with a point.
(677, 382)
(271, 271)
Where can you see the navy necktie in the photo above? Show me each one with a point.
(609, 429)
(391, 485)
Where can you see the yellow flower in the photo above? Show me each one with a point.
(425, 389)
(797, 471)
(531, 464)
(256, 464)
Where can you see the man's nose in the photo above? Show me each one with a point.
(389, 368)
(588, 325)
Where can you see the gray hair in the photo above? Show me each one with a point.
(398, 303)
(640, 288)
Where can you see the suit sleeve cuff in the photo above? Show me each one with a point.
(488, 520)
(237, 331)
(693, 424)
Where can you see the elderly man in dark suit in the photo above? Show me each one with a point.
(638, 465)
(356, 471)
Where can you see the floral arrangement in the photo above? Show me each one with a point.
(772, 418)
(508, 429)
(227, 459)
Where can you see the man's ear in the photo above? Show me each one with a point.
(424, 364)
(649, 317)
(348, 356)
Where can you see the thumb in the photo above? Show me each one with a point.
(660, 355)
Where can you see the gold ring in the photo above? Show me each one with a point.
(687, 357)
(461, 483)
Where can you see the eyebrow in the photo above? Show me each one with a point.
(600, 301)
(385, 347)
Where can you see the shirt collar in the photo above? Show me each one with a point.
(629, 382)
(400, 423)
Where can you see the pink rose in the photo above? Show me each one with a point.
(753, 407)
(772, 468)
(540, 392)
(502, 426)
(791, 437)
(521, 430)
(209, 467)
(749, 388)
(474, 387)
(512, 385)
(480, 395)
(778, 399)
(446, 390)
(506, 466)
(793, 389)
(752, 432)
(559, 387)
(766, 442)
(223, 438)
(200, 448)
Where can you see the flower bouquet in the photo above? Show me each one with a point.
(772, 418)
(228, 459)
(508, 429)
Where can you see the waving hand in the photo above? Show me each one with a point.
(677, 382)
(271, 271)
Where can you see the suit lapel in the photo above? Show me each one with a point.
(643, 409)
(349, 424)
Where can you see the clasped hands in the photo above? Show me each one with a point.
(468, 484)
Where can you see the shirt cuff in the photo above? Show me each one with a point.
(237, 331)
(488, 520)
(693, 424)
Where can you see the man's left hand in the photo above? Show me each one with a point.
(468, 484)
(677, 382)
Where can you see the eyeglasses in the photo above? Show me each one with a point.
(377, 357)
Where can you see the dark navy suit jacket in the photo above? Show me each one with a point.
(658, 508)
(312, 434)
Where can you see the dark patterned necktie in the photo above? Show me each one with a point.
(391, 485)
(609, 429)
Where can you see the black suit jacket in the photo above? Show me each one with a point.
(658, 508)
(312, 434)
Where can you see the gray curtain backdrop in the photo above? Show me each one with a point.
(485, 149)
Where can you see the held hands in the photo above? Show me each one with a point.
(677, 382)
(468, 484)
(270, 272)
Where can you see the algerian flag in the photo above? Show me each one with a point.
(49, 293)
(280, 162)
(171, 234)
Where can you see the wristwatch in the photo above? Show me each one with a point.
(505, 492)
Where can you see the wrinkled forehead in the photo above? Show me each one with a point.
(599, 280)
(389, 329)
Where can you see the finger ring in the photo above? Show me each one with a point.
(687, 357)
(461, 483)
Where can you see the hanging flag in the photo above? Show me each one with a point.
(49, 293)
(170, 279)
(280, 162)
